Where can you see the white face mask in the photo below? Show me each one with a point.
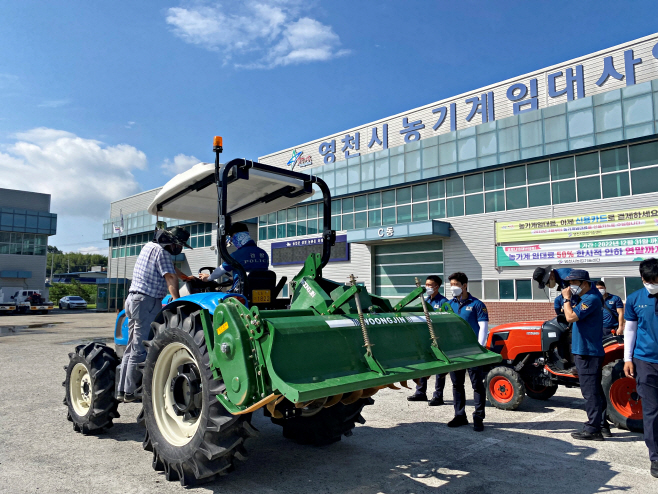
(602, 290)
(575, 289)
(652, 288)
(429, 290)
(456, 291)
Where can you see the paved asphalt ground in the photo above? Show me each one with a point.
(403, 448)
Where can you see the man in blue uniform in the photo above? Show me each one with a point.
(252, 257)
(436, 300)
(587, 349)
(613, 311)
(641, 352)
(474, 312)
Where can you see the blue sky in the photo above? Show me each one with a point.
(99, 100)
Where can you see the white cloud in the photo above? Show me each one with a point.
(179, 164)
(57, 103)
(92, 250)
(258, 34)
(129, 125)
(82, 175)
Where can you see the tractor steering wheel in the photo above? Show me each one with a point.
(221, 284)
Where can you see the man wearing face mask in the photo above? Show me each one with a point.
(252, 257)
(474, 312)
(154, 274)
(587, 349)
(436, 300)
(641, 352)
(613, 311)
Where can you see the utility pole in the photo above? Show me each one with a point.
(52, 265)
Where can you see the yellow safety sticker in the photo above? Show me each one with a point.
(222, 328)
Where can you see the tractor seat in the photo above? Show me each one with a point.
(261, 282)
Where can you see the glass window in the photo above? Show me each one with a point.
(301, 212)
(539, 293)
(301, 228)
(404, 195)
(515, 176)
(516, 198)
(587, 164)
(494, 180)
(404, 214)
(615, 285)
(523, 290)
(490, 289)
(262, 233)
(437, 209)
(562, 168)
(615, 185)
(348, 221)
(419, 193)
(564, 192)
(291, 229)
(539, 195)
(388, 216)
(645, 181)
(643, 155)
(335, 208)
(388, 198)
(361, 220)
(360, 203)
(419, 212)
(348, 205)
(475, 204)
(475, 288)
(336, 222)
(494, 201)
(437, 190)
(192, 229)
(280, 231)
(633, 284)
(312, 226)
(506, 289)
(455, 206)
(262, 219)
(614, 159)
(312, 211)
(374, 217)
(589, 189)
(271, 219)
(473, 183)
(271, 231)
(281, 216)
(454, 186)
(374, 200)
(292, 214)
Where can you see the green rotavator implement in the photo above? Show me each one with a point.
(311, 361)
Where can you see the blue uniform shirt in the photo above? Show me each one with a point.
(437, 301)
(641, 307)
(470, 310)
(612, 302)
(558, 303)
(252, 258)
(586, 332)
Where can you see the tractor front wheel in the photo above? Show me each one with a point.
(624, 404)
(192, 436)
(539, 392)
(89, 386)
(505, 388)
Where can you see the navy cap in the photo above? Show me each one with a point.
(577, 275)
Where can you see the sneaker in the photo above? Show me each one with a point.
(436, 401)
(129, 397)
(587, 436)
(605, 432)
(458, 421)
(417, 398)
(654, 468)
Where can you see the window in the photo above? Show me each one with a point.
(454, 187)
(523, 289)
(614, 159)
(587, 164)
(506, 289)
(473, 183)
(516, 198)
(644, 180)
(564, 192)
(455, 206)
(538, 173)
(615, 185)
(490, 289)
(643, 154)
(494, 201)
(515, 176)
(475, 204)
(589, 188)
(539, 195)
(562, 168)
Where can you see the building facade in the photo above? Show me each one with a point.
(25, 225)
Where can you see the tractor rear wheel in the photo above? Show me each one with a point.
(624, 404)
(505, 388)
(89, 386)
(539, 392)
(319, 426)
(192, 436)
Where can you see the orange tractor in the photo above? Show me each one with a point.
(537, 359)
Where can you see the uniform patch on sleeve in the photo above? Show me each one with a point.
(585, 306)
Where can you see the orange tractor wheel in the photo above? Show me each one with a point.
(624, 404)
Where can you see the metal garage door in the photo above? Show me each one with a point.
(397, 264)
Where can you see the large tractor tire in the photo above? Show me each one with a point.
(318, 426)
(505, 388)
(89, 385)
(539, 392)
(192, 436)
(624, 404)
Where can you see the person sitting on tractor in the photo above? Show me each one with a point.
(587, 349)
(436, 300)
(641, 352)
(252, 257)
(613, 311)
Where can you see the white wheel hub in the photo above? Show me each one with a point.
(80, 389)
(175, 428)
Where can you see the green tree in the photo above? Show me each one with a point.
(72, 262)
(59, 290)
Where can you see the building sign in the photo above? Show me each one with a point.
(298, 159)
(625, 65)
(594, 225)
(616, 250)
(386, 232)
(297, 251)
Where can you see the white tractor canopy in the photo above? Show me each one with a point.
(192, 195)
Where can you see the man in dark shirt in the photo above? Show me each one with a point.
(613, 311)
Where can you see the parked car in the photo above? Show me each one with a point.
(72, 302)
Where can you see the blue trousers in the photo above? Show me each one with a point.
(647, 387)
(421, 387)
(590, 373)
(458, 378)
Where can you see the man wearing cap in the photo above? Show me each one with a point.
(587, 349)
(252, 257)
(154, 274)
(641, 352)
(436, 300)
